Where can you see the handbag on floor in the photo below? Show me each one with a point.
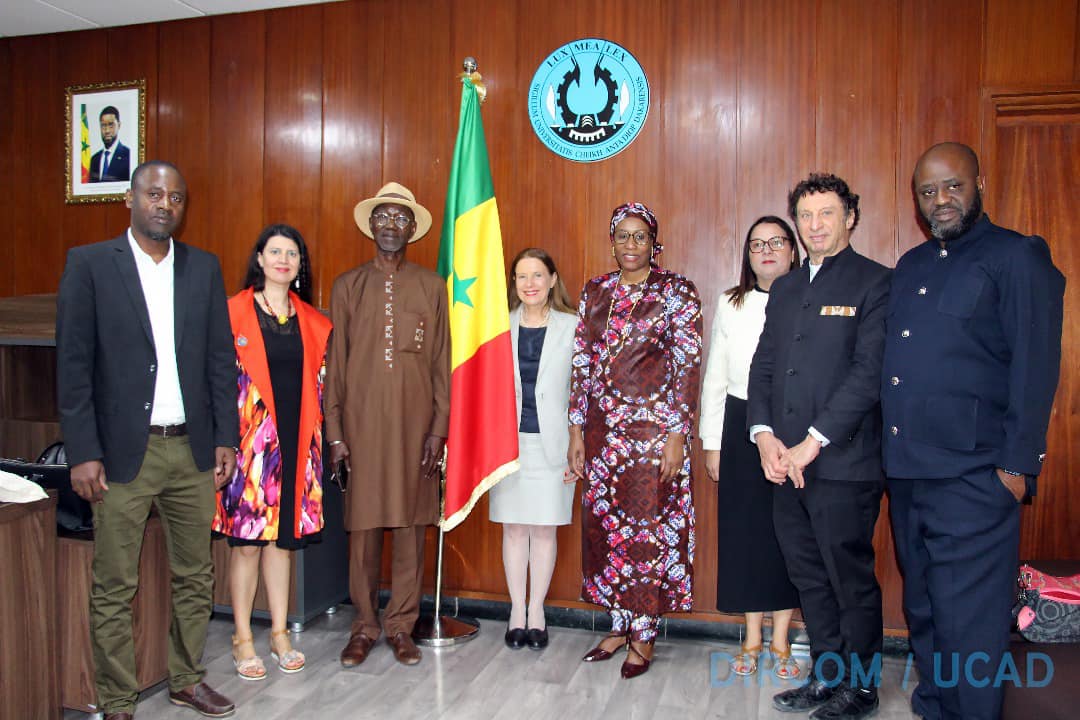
(1048, 607)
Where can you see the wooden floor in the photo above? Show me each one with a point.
(483, 679)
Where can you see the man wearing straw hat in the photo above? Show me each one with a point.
(387, 406)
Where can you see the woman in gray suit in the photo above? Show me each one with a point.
(540, 496)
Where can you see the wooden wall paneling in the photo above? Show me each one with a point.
(777, 80)
(937, 92)
(133, 54)
(545, 193)
(352, 168)
(1030, 43)
(699, 164)
(234, 198)
(183, 132)
(7, 149)
(857, 58)
(81, 61)
(1030, 174)
(293, 123)
(473, 550)
(420, 108)
(37, 256)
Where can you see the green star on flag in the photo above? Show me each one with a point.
(461, 289)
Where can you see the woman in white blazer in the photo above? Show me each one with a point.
(540, 496)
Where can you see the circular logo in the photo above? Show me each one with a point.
(588, 100)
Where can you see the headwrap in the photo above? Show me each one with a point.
(642, 211)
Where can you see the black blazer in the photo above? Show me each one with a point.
(119, 165)
(106, 362)
(818, 363)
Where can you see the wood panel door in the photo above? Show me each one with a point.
(1031, 161)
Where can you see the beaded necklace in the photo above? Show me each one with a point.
(281, 319)
(613, 352)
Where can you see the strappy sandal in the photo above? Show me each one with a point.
(598, 653)
(785, 667)
(631, 669)
(251, 667)
(746, 662)
(290, 661)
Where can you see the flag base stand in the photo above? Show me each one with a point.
(437, 630)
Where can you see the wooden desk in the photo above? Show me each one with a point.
(150, 610)
(29, 657)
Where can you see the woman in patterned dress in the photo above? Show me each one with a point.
(273, 504)
(634, 393)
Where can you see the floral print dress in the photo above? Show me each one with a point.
(636, 372)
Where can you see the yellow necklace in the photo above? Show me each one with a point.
(612, 352)
(281, 319)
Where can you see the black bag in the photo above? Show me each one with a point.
(73, 514)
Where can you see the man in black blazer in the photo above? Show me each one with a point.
(147, 398)
(972, 355)
(813, 412)
(113, 162)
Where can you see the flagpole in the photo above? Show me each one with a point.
(435, 629)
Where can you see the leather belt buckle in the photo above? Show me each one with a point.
(169, 430)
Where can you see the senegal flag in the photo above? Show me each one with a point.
(84, 153)
(482, 446)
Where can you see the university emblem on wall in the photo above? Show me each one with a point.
(588, 100)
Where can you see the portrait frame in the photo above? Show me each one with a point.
(116, 109)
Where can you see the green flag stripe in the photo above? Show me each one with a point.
(470, 174)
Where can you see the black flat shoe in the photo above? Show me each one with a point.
(515, 638)
(848, 704)
(538, 639)
(803, 698)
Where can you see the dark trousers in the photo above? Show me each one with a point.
(407, 575)
(958, 542)
(184, 497)
(826, 534)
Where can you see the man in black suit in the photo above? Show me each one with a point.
(971, 366)
(813, 412)
(147, 397)
(113, 162)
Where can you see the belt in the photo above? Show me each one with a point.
(169, 430)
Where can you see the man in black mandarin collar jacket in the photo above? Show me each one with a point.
(813, 410)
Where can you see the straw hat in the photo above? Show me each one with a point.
(397, 194)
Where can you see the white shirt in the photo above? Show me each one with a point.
(157, 286)
(732, 343)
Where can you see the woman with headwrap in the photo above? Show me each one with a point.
(633, 398)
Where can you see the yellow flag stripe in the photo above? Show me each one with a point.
(478, 254)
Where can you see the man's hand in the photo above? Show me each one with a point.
(671, 459)
(339, 452)
(773, 457)
(575, 454)
(88, 481)
(712, 464)
(799, 457)
(433, 450)
(1016, 484)
(224, 466)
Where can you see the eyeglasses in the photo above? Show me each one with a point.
(379, 220)
(622, 237)
(776, 243)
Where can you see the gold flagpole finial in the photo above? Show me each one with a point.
(472, 76)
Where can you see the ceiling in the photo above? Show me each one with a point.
(34, 17)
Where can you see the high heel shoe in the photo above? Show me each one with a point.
(632, 670)
(598, 653)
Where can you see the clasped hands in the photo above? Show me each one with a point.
(780, 463)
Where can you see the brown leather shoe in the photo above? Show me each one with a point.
(203, 699)
(405, 650)
(119, 716)
(356, 651)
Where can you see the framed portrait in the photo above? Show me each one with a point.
(106, 139)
